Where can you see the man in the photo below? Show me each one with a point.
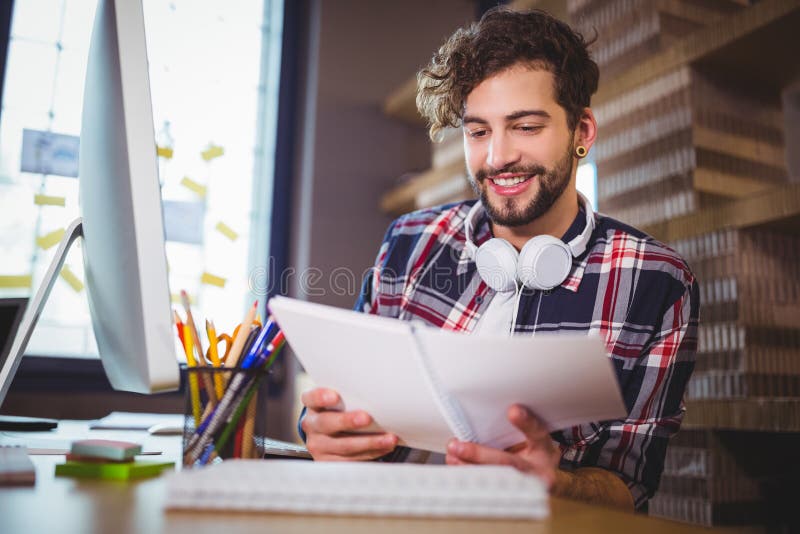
(520, 86)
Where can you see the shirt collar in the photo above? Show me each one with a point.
(482, 232)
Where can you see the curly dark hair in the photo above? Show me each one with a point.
(501, 39)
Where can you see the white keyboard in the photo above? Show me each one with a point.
(360, 488)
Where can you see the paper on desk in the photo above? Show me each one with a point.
(135, 421)
(370, 361)
(565, 379)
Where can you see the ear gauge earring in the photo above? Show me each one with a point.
(580, 151)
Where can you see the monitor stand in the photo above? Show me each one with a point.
(34, 309)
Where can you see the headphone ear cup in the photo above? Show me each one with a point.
(497, 264)
(544, 262)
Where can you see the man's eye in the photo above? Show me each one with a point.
(528, 128)
(477, 133)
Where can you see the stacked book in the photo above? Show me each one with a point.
(716, 478)
(749, 334)
(683, 142)
(630, 31)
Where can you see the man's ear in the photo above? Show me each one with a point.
(586, 129)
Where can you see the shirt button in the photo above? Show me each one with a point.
(479, 299)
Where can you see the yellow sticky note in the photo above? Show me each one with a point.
(48, 240)
(213, 151)
(45, 200)
(15, 281)
(213, 280)
(164, 152)
(176, 298)
(71, 279)
(227, 231)
(191, 185)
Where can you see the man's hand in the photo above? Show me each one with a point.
(537, 455)
(330, 431)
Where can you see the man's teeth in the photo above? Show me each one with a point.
(508, 182)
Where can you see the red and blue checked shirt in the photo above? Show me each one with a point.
(633, 291)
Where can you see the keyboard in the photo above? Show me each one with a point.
(360, 488)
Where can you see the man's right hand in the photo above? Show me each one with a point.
(331, 432)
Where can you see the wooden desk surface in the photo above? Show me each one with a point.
(74, 505)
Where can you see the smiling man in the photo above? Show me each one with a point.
(529, 257)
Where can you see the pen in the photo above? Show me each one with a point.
(259, 341)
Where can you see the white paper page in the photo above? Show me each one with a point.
(565, 380)
(371, 362)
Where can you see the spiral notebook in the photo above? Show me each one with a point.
(428, 385)
(360, 488)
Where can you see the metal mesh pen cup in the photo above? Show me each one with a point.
(224, 414)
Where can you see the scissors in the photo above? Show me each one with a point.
(228, 340)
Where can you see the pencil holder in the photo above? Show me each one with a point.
(224, 415)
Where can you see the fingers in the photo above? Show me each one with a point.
(534, 428)
(350, 447)
(331, 434)
(321, 399)
(331, 423)
(465, 453)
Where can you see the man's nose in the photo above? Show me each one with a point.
(502, 152)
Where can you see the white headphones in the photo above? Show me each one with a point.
(543, 263)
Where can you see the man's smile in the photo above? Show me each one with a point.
(510, 184)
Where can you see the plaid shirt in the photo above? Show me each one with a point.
(633, 291)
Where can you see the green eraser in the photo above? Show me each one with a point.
(106, 448)
(112, 471)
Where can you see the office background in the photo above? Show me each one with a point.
(311, 104)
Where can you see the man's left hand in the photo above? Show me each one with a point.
(537, 455)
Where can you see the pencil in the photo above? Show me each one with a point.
(179, 326)
(214, 356)
(248, 427)
(201, 360)
(241, 338)
(194, 388)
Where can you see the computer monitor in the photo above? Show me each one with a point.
(122, 221)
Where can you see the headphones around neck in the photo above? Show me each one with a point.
(543, 263)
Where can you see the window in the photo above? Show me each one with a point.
(214, 69)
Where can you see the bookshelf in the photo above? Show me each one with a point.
(735, 43)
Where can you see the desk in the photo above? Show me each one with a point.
(74, 505)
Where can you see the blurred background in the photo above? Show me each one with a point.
(288, 140)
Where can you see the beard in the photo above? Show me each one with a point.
(506, 211)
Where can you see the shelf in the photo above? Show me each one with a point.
(403, 198)
(401, 103)
(754, 45)
(759, 414)
(777, 209)
(728, 185)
